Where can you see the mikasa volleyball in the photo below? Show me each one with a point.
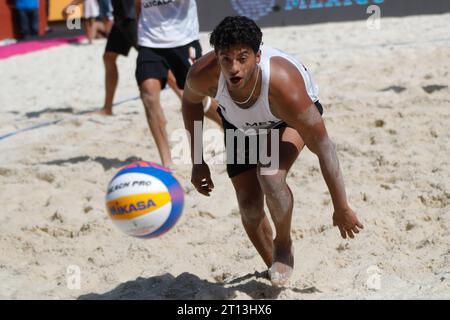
(144, 199)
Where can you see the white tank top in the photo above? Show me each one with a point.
(167, 23)
(259, 116)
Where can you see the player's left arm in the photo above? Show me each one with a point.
(290, 102)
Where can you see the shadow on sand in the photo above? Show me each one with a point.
(188, 286)
(107, 163)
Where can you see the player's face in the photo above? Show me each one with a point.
(238, 65)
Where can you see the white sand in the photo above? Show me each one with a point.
(397, 177)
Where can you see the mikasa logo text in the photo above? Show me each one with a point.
(132, 207)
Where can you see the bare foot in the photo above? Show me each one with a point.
(283, 265)
(104, 112)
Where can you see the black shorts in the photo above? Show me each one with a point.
(234, 168)
(156, 62)
(122, 37)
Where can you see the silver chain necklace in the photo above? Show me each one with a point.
(251, 94)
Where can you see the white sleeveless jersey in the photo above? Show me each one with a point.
(167, 23)
(259, 116)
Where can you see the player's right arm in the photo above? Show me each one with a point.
(201, 82)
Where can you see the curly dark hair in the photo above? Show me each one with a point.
(236, 30)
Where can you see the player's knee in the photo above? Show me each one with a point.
(109, 59)
(271, 184)
(150, 99)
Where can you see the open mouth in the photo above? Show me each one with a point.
(235, 80)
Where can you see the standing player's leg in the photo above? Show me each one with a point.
(34, 21)
(150, 94)
(111, 80)
(120, 40)
(172, 82)
(279, 200)
(251, 206)
(151, 76)
(24, 27)
(90, 29)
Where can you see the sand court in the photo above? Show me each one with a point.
(386, 101)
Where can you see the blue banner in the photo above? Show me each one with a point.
(295, 12)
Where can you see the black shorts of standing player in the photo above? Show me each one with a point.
(234, 168)
(155, 62)
(122, 37)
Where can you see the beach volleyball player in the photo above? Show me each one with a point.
(121, 38)
(168, 39)
(259, 87)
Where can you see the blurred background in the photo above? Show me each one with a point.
(266, 12)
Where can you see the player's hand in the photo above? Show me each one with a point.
(201, 178)
(347, 222)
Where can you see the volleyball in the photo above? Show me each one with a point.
(144, 199)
